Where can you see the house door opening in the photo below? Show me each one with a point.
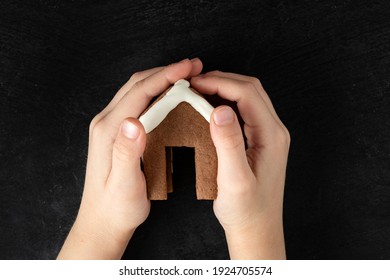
(181, 172)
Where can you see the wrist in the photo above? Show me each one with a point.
(263, 239)
(94, 239)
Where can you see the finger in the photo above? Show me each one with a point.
(126, 176)
(259, 122)
(138, 76)
(226, 133)
(197, 67)
(130, 83)
(124, 89)
(136, 100)
(256, 82)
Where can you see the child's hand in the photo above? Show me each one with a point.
(250, 183)
(114, 201)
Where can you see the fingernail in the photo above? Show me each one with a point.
(184, 60)
(130, 130)
(194, 59)
(174, 63)
(224, 116)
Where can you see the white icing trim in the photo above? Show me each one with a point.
(179, 93)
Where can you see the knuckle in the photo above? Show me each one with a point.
(282, 137)
(138, 84)
(96, 127)
(135, 77)
(233, 141)
(250, 86)
(288, 136)
(121, 152)
(251, 89)
(214, 72)
(254, 80)
(93, 122)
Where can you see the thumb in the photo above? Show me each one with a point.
(128, 148)
(226, 133)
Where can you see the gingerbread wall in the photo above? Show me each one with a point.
(182, 127)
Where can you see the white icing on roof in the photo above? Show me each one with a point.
(179, 93)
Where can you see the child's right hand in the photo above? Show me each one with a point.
(250, 183)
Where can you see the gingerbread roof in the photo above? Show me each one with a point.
(179, 93)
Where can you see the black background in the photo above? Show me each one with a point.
(325, 65)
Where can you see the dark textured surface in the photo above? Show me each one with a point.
(325, 65)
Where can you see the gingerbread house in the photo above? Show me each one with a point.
(179, 118)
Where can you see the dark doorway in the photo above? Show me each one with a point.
(176, 228)
(181, 172)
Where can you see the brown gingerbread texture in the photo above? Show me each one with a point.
(182, 127)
